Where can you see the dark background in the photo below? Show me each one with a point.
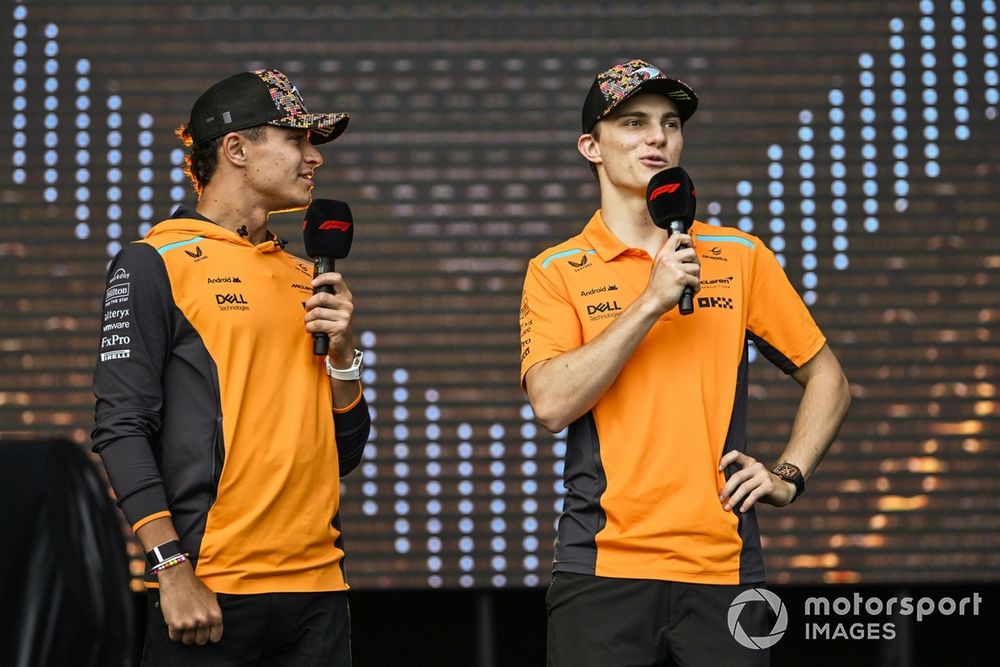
(460, 165)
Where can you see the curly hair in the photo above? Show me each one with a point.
(202, 159)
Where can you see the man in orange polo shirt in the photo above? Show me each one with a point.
(658, 532)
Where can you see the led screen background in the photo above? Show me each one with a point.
(858, 140)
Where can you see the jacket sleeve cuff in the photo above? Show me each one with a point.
(352, 429)
(152, 517)
(144, 505)
(354, 403)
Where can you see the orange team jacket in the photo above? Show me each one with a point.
(213, 410)
(641, 470)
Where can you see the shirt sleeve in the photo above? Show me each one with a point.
(549, 322)
(778, 321)
(136, 334)
(352, 426)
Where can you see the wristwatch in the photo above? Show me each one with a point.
(346, 374)
(791, 473)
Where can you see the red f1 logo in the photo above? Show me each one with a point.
(339, 225)
(669, 188)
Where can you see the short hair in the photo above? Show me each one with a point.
(202, 159)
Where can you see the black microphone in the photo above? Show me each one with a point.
(670, 198)
(328, 231)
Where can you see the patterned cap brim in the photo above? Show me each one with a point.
(325, 126)
(673, 89)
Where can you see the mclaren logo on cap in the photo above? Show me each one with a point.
(339, 225)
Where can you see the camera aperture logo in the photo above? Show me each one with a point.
(780, 623)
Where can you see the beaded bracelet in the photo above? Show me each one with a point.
(170, 562)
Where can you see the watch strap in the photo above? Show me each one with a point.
(163, 553)
(791, 473)
(347, 374)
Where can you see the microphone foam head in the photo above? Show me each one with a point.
(670, 196)
(328, 229)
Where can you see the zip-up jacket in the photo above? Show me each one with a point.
(213, 410)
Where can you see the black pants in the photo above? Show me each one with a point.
(607, 622)
(264, 630)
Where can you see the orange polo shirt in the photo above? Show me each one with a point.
(641, 473)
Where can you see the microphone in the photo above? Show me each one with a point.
(670, 198)
(328, 231)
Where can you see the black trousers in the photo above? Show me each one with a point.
(605, 622)
(263, 630)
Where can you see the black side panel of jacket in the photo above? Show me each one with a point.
(158, 415)
(352, 429)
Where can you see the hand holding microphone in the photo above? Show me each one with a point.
(671, 201)
(328, 230)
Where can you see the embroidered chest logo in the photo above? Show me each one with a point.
(717, 283)
(715, 302)
(597, 290)
(715, 253)
(604, 310)
(197, 255)
(581, 264)
(231, 301)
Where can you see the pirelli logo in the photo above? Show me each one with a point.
(715, 302)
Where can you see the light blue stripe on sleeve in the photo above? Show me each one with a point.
(565, 253)
(727, 239)
(180, 244)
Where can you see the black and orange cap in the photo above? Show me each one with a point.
(260, 97)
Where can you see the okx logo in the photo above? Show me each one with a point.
(757, 596)
(715, 302)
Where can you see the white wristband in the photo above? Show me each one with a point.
(346, 374)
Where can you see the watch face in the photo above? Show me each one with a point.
(786, 471)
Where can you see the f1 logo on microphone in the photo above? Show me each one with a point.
(668, 189)
(339, 225)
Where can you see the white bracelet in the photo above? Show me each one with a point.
(346, 374)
